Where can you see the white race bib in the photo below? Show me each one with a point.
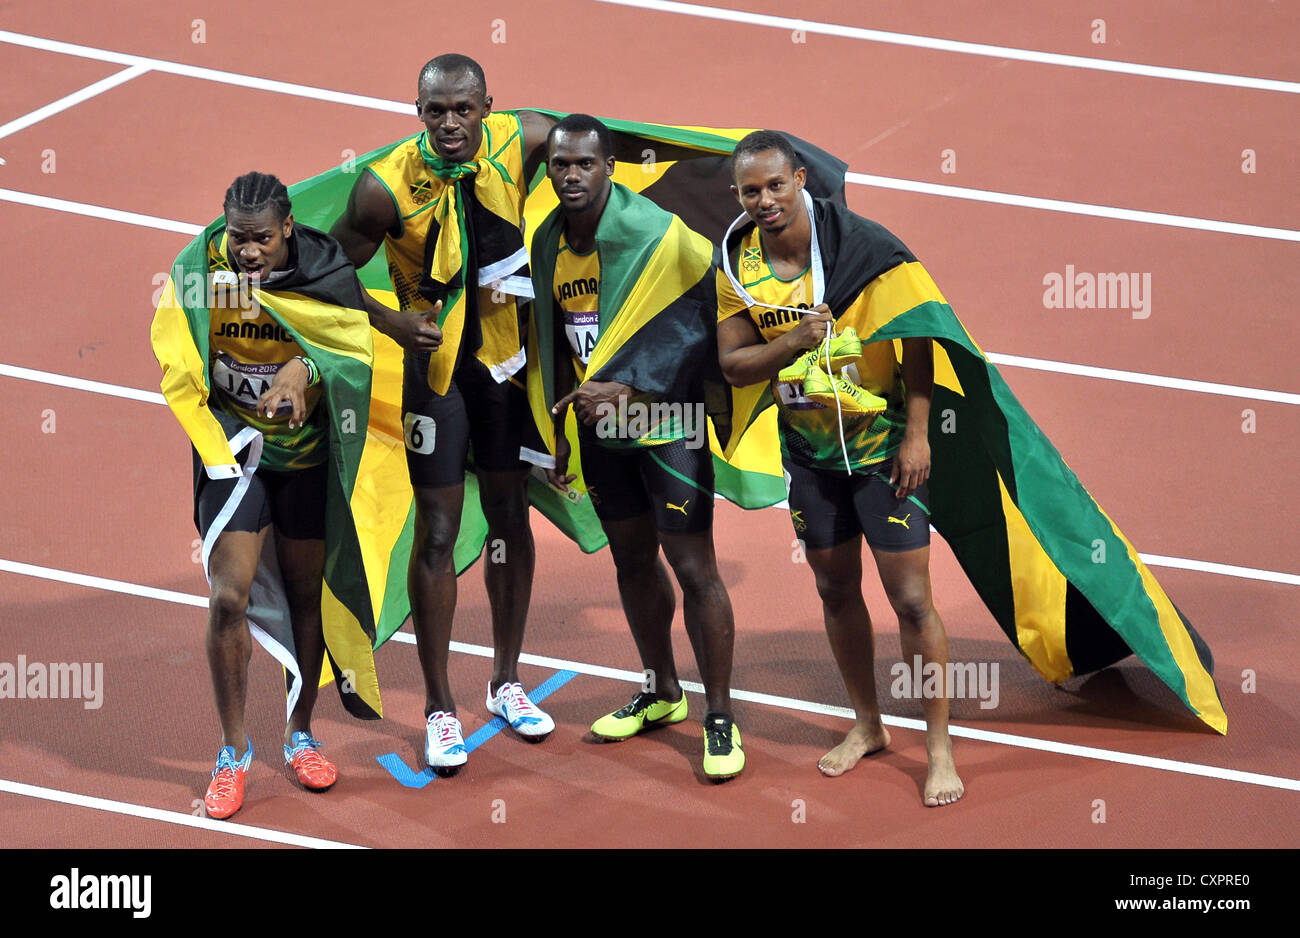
(582, 330)
(243, 383)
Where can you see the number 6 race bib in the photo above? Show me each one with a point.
(419, 431)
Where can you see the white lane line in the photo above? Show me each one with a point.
(964, 48)
(209, 74)
(229, 828)
(1207, 566)
(988, 736)
(67, 101)
(81, 384)
(1153, 560)
(888, 182)
(1075, 208)
(770, 700)
(102, 583)
(97, 211)
(1137, 377)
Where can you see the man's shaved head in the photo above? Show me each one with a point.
(452, 63)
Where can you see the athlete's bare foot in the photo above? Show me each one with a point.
(942, 786)
(863, 740)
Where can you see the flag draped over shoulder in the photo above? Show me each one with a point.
(320, 306)
(686, 170)
(657, 331)
(1062, 581)
(473, 241)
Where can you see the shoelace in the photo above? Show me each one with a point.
(641, 701)
(519, 701)
(224, 784)
(839, 411)
(306, 754)
(446, 730)
(719, 737)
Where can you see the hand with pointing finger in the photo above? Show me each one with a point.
(588, 400)
(417, 332)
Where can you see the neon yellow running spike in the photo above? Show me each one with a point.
(855, 400)
(724, 756)
(845, 348)
(645, 712)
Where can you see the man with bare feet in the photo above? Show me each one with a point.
(802, 280)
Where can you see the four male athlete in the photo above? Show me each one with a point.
(447, 206)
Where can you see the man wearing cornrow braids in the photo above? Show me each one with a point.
(258, 377)
(447, 206)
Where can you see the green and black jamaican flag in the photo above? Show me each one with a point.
(1026, 532)
(319, 304)
(656, 324)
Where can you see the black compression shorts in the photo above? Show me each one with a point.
(828, 508)
(293, 501)
(440, 428)
(673, 480)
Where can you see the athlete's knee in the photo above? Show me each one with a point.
(228, 605)
(913, 606)
(838, 593)
(505, 508)
(435, 539)
(636, 563)
(696, 573)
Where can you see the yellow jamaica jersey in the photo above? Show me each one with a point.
(414, 188)
(577, 294)
(246, 349)
(417, 192)
(809, 432)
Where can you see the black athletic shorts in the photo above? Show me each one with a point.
(293, 501)
(672, 479)
(440, 428)
(828, 508)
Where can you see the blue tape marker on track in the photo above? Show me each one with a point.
(405, 775)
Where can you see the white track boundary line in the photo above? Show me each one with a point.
(888, 182)
(230, 828)
(1075, 208)
(964, 48)
(81, 384)
(1154, 560)
(71, 100)
(97, 211)
(770, 700)
(1137, 377)
(208, 74)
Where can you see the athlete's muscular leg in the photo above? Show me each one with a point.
(302, 563)
(508, 572)
(838, 571)
(707, 609)
(431, 583)
(232, 565)
(906, 578)
(647, 596)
